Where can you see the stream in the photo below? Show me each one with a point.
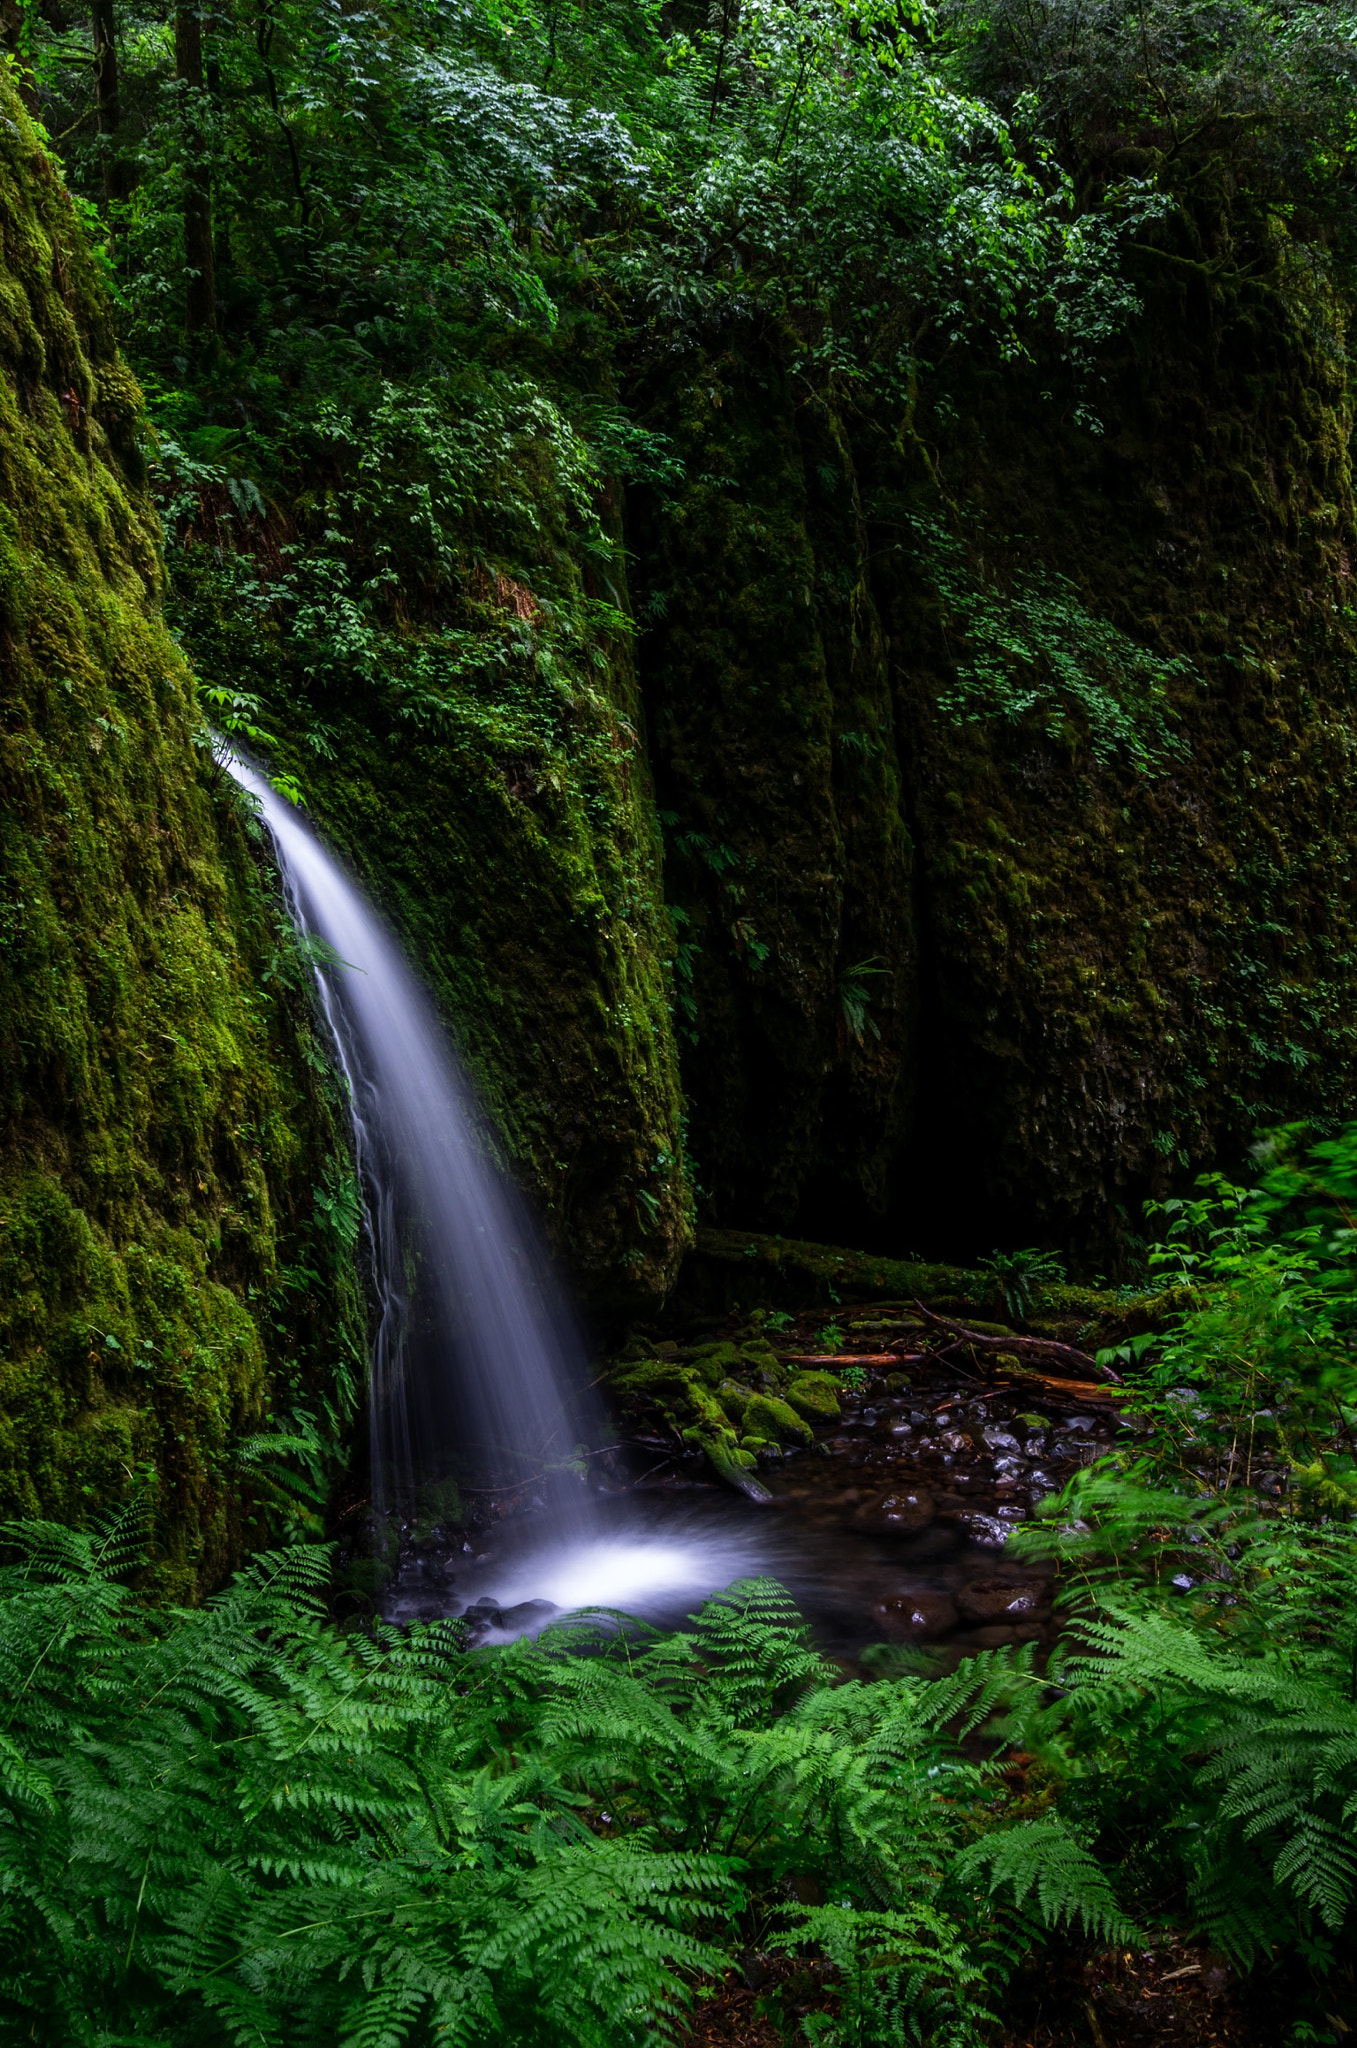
(890, 1529)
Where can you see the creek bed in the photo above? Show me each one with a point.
(891, 1528)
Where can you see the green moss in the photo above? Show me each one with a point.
(773, 1421)
(713, 1362)
(814, 1395)
(167, 1275)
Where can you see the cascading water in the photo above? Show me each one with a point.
(476, 1362)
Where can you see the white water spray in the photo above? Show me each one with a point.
(476, 1362)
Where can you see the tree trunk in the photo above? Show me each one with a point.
(200, 297)
(107, 111)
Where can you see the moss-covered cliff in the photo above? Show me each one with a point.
(433, 618)
(1131, 968)
(1041, 710)
(176, 1233)
(789, 862)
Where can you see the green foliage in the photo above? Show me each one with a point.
(1020, 1274)
(1261, 1370)
(1030, 649)
(1206, 1726)
(236, 1822)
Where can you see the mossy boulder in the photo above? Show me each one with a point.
(734, 1398)
(715, 1362)
(774, 1421)
(815, 1395)
(177, 1210)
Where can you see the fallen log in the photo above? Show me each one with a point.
(1044, 1349)
(822, 1361)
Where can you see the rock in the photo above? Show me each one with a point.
(775, 1421)
(990, 1529)
(897, 1513)
(916, 1617)
(715, 1362)
(528, 1614)
(999, 1439)
(994, 1599)
(815, 1395)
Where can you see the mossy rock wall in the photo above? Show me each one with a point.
(509, 837)
(1086, 975)
(175, 1237)
(517, 856)
(1128, 973)
(788, 856)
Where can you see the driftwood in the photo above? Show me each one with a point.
(1030, 1352)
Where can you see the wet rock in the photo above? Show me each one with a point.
(774, 1421)
(915, 1617)
(995, 1439)
(955, 1441)
(898, 1512)
(1006, 1600)
(527, 1614)
(992, 1529)
(1077, 1450)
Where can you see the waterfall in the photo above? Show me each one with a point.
(476, 1364)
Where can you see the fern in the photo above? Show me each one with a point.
(241, 1824)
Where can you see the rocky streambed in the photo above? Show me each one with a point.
(884, 1502)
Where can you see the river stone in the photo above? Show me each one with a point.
(989, 1529)
(898, 1512)
(918, 1617)
(1008, 1600)
(815, 1395)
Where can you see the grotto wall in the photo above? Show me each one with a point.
(177, 1219)
(789, 857)
(485, 773)
(1021, 736)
